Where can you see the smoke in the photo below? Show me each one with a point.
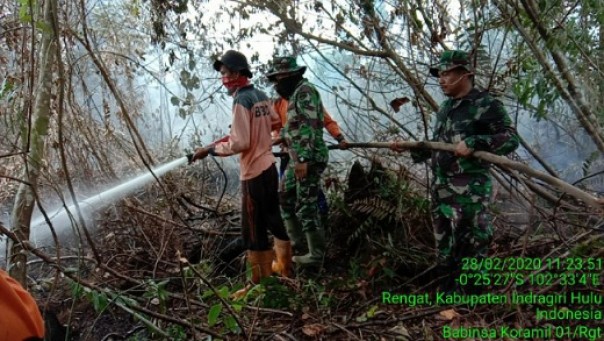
(64, 220)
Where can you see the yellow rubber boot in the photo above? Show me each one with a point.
(261, 264)
(282, 265)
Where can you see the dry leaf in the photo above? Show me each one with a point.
(181, 259)
(313, 329)
(449, 314)
(428, 332)
(401, 331)
(398, 102)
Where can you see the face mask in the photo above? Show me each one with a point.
(285, 87)
(232, 84)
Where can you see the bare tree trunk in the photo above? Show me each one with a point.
(25, 199)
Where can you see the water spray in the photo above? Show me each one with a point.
(62, 217)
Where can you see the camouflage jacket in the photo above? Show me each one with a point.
(478, 119)
(303, 131)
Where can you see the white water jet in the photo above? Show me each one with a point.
(61, 219)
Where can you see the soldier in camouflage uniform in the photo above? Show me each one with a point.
(303, 136)
(473, 120)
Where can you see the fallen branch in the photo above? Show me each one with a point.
(504, 162)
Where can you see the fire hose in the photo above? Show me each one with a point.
(501, 161)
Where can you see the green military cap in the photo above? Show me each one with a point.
(450, 60)
(283, 65)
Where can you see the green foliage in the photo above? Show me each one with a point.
(534, 87)
(369, 314)
(177, 333)
(25, 15)
(314, 292)
(77, 290)
(587, 249)
(157, 291)
(99, 300)
(392, 204)
(6, 89)
(45, 27)
(572, 32)
(216, 315)
(223, 292)
(231, 324)
(276, 295)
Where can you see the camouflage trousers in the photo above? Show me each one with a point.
(462, 224)
(321, 200)
(298, 198)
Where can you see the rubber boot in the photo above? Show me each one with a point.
(282, 265)
(316, 249)
(260, 262)
(294, 231)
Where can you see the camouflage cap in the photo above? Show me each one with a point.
(283, 65)
(450, 60)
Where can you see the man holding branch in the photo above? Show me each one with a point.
(474, 121)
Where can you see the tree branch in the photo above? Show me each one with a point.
(503, 162)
